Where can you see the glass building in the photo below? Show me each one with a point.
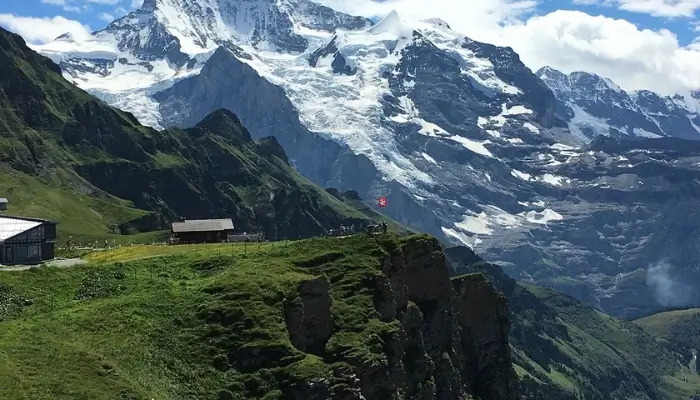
(26, 240)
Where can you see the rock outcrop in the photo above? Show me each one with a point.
(309, 316)
(449, 339)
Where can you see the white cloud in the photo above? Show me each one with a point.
(632, 57)
(658, 8)
(42, 30)
(107, 17)
(67, 5)
(567, 40)
(136, 3)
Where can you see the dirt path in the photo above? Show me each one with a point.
(64, 263)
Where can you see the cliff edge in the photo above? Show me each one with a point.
(441, 338)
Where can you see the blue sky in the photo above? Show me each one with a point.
(94, 14)
(639, 44)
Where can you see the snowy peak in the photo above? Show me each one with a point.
(597, 106)
(392, 24)
(182, 29)
(576, 83)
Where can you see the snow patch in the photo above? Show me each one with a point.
(521, 175)
(583, 120)
(428, 158)
(552, 179)
(476, 223)
(542, 217)
(476, 147)
(531, 128)
(644, 133)
(515, 110)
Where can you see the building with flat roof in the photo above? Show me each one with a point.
(202, 230)
(26, 240)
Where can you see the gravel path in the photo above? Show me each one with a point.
(62, 263)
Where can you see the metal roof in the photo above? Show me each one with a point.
(3, 200)
(203, 225)
(13, 226)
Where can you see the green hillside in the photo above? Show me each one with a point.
(159, 322)
(313, 319)
(565, 350)
(679, 330)
(666, 325)
(67, 156)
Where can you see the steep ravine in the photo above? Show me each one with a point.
(442, 338)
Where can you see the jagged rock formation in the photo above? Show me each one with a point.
(309, 316)
(449, 339)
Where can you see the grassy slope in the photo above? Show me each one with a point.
(563, 347)
(679, 330)
(149, 321)
(67, 156)
(661, 325)
(80, 215)
(601, 342)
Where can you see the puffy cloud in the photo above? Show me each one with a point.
(657, 8)
(107, 17)
(42, 30)
(567, 40)
(478, 18)
(67, 5)
(634, 58)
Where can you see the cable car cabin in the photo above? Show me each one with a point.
(26, 240)
(201, 231)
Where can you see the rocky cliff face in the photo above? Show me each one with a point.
(449, 339)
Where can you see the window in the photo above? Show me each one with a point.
(33, 253)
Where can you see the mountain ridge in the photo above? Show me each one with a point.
(597, 106)
(64, 138)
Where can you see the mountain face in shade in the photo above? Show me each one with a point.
(64, 139)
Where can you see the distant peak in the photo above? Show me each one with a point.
(65, 36)
(392, 23)
(149, 5)
(549, 72)
(438, 23)
(225, 123)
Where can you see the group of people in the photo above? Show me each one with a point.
(342, 231)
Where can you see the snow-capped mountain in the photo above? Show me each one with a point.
(466, 142)
(597, 106)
